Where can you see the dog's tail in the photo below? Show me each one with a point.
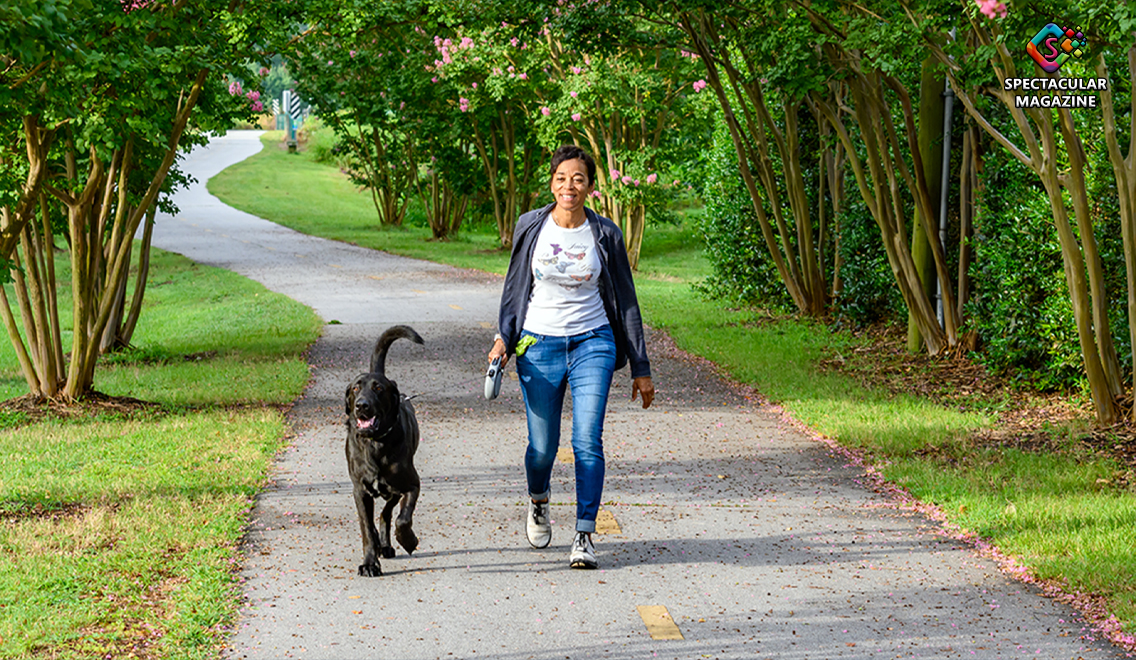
(379, 357)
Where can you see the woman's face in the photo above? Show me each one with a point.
(570, 185)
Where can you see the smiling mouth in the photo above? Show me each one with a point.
(365, 423)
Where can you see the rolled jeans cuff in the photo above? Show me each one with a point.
(541, 496)
(588, 526)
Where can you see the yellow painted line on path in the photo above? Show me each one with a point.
(335, 265)
(659, 622)
(607, 524)
(375, 277)
(417, 291)
(487, 325)
(455, 307)
(226, 236)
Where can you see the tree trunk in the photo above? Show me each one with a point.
(930, 143)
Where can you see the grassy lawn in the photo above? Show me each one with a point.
(119, 532)
(1066, 511)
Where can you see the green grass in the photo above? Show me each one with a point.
(317, 199)
(121, 532)
(1072, 518)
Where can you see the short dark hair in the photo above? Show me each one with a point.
(572, 152)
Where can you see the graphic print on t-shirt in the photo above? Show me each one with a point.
(567, 269)
(572, 269)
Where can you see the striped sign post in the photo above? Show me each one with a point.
(290, 99)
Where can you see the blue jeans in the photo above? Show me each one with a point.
(584, 362)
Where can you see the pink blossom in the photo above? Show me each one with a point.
(652, 177)
(596, 194)
(636, 181)
(351, 53)
(329, 62)
(475, 85)
(699, 85)
(263, 71)
(577, 70)
(992, 8)
(463, 104)
(402, 106)
(253, 95)
(576, 116)
(626, 180)
(257, 106)
(446, 59)
(545, 111)
(434, 79)
(130, 5)
(437, 41)
(466, 42)
(573, 94)
(447, 43)
(614, 173)
(514, 41)
(523, 76)
(235, 88)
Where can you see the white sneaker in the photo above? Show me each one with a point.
(583, 552)
(537, 526)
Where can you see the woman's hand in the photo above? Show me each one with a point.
(499, 351)
(644, 386)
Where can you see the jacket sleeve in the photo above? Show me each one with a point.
(628, 307)
(514, 293)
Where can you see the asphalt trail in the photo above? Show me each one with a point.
(757, 541)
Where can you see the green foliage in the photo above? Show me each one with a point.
(868, 292)
(320, 141)
(1019, 306)
(741, 269)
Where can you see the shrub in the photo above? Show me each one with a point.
(741, 269)
(319, 140)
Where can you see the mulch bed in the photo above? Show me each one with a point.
(1029, 421)
(90, 405)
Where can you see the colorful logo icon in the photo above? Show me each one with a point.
(1052, 46)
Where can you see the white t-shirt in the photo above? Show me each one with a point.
(565, 298)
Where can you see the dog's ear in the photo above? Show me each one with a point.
(349, 398)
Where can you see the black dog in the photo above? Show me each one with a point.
(382, 436)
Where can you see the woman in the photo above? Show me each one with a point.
(570, 315)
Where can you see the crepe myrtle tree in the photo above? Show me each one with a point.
(1056, 144)
(621, 105)
(362, 67)
(496, 78)
(104, 97)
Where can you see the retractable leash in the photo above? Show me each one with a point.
(493, 379)
(463, 384)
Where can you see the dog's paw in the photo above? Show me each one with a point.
(370, 570)
(405, 536)
(387, 552)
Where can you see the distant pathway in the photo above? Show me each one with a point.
(750, 539)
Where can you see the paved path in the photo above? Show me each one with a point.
(756, 541)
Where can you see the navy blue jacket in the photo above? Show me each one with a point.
(616, 288)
